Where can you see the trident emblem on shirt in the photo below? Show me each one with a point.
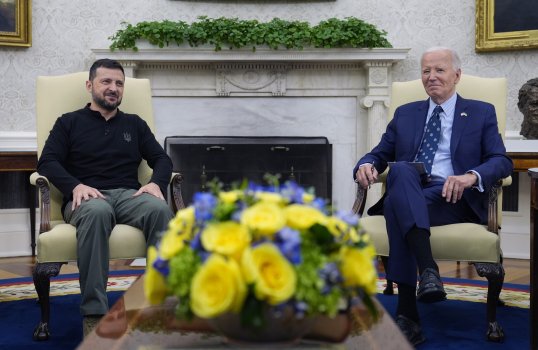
(127, 137)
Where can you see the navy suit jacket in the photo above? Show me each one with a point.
(475, 144)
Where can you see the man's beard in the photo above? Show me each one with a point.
(103, 103)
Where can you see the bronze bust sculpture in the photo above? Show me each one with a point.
(528, 105)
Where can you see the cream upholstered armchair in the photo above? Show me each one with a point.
(56, 243)
(474, 243)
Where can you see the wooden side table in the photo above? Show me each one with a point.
(533, 173)
(27, 162)
(523, 160)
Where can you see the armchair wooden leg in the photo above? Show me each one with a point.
(41, 275)
(389, 289)
(495, 276)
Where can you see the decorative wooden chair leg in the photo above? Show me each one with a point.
(41, 275)
(495, 276)
(389, 289)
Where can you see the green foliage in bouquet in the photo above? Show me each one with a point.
(257, 247)
(234, 33)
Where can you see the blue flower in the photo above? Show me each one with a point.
(293, 192)
(236, 215)
(162, 266)
(330, 274)
(288, 242)
(204, 203)
(300, 308)
(196, 245)
(254, 187)
(321, 205)
(348, 217)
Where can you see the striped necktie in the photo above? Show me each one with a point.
(430, 141)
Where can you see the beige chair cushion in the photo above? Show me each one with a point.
(462, 242)
(60, 243)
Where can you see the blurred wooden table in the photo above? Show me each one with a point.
(26, 162)
(133, 324)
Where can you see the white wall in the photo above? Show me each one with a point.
(65, 31)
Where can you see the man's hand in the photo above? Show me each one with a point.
(366, 175)
(454, 186)
(152, 189)
(82, 192)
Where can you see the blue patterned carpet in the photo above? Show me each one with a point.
(458, 323)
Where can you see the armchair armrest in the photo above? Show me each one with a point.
(507, 181)
(43, 185)
(175, 191)
(493, 210)
(361, 194)
(360, 200)
(493, 219)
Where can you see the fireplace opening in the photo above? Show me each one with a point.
(231, 159)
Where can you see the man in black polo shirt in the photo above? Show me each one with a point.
(92, 156)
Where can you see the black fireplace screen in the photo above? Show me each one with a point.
(306, 160)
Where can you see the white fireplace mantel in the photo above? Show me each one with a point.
(206, 54)
(268, 72)
(349, 87)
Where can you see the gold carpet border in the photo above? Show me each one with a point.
(455, 291)
(26, 290)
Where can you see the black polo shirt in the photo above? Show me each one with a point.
(85, 148)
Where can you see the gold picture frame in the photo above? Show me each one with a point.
(511, 36)
(16, 23)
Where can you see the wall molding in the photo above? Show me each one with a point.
(18, 141)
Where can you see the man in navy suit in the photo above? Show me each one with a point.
(468, 160)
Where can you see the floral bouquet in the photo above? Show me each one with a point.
(254, 250)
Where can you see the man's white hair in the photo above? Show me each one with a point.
(456, 62)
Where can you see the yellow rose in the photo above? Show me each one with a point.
(308, 197)
(154, 283)
(270, 197)
(183, 222)
(179, 229)
(227, 238)
(301, 217)
(230, 197)
(217, 287)
(264, 218)
(358, 269)
(171, 244)
(273, 276)
(369, 250)
(339, 228)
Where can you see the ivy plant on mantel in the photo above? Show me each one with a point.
(234, 33)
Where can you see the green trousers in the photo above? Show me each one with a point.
(94, 220)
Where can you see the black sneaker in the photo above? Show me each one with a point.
(410, 329)
(430, 287)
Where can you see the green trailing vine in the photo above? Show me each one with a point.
(234, 33)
